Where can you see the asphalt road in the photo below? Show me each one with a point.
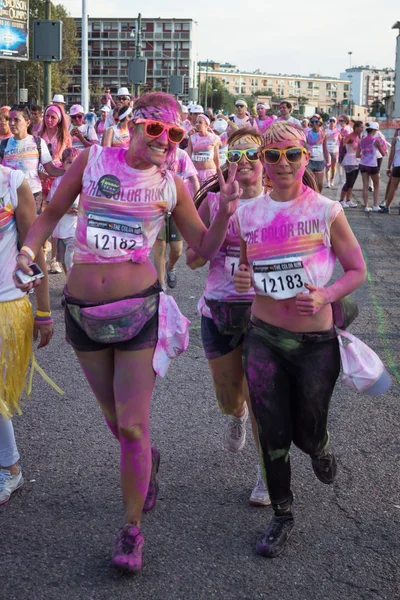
(58, 531)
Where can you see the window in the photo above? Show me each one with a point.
(185, 26)
(309, 85)
(95, 26)
(167, 27)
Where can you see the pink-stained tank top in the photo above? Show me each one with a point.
(332, 140)
(219, 284)
(121, 138)
(121, 210)
(369, 152)
(203, 146)
(288, 243)
(315, 140)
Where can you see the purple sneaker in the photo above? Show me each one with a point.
(152, 492)
(128, 551)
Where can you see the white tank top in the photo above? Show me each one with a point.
(288, 243)
(396, 160)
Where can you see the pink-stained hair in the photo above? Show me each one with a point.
(158, 100)
(63, 136)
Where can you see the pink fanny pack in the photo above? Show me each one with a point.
(116, 321)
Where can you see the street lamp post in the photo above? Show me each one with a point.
(350, 80)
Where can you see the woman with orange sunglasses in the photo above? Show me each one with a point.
(289, 242)
(115, 315)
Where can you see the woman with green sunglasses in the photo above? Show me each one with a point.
(222, 309)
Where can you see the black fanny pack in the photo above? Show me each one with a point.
(228, 317)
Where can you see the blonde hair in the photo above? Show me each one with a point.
(281, 131)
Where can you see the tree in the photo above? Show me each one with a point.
(32, 71)
(217, 95)
(377, 107)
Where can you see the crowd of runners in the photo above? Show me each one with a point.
(244, 192)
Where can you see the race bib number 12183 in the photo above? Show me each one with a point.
(280, 280)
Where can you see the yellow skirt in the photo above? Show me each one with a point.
(16, 331)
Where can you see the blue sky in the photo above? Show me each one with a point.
(285, 38)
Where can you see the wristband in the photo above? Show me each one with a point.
(28, 251)
(41, 313)
(44, 320)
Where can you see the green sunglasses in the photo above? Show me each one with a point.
(234, 156)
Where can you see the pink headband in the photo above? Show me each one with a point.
(207, 120)
(56, 109)
(165, 114)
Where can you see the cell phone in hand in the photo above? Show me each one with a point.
(25, 278)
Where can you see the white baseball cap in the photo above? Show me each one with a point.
(184, 108)
(76, 109)
(123, 92)
(105, 109)
(373, 125)
(196, 108)
(241, 102)
(58, 98)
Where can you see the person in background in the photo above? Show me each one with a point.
(83, 136)
(305, 125)
(119, 135)
(333, 139)
(17, 325)
(107, 99)
(123, 99)
(37, 118)
(367, 151)
(285, 108)
(24, 152)
(203, 149)
(5, 132)
(64, 232)
(220, 127)
(101, 123)
(393, 172)
(54, 131)
(262, 120)
(241, 118)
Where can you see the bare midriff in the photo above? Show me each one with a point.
(202, 166)
(284, 314)
(108, 282)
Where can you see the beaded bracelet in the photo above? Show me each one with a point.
(28, 251)
(41, 313)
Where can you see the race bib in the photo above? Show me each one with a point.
(317, 153)
(112, 235)
(232, 260)
(332, 146)
(279, 278)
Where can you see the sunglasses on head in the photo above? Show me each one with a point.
(293, 155)
(234, 156)
(154, 129)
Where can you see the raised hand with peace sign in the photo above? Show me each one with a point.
(230, 191)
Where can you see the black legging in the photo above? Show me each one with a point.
(350, 180)
(291, 378)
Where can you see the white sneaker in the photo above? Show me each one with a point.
(344, 204)
(235, 432)
(259, 496)
(351, 204)
(327, 185)
(367, 209)
(376, 209)
(332, 185)
(8, 484)
(55, 267)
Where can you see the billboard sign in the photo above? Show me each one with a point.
(14, 29)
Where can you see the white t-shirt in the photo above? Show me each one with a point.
(290, 120)
(10, 181)
(66, 226)
(88, 132)
(24, 156)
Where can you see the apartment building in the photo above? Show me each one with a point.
(369, 84)
(169, 45)
(323, 92)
